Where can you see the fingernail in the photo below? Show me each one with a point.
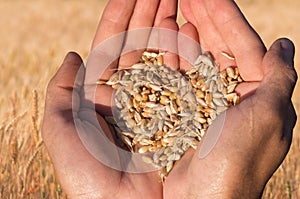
(67, 57)
(288, 49)
(212, 136)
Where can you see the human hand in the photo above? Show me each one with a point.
(68, 108)
(257, 133)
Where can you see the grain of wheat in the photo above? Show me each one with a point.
(35, 105)
(162, 113)
(14, 149)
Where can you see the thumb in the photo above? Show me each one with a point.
(282, 52)
(68, 79)
(279, 73)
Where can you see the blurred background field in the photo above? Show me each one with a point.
(36, 35)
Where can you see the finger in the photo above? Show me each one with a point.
(63, 84)
(187, 13)
(110, 36)
(280, 76)
(210, 39)
(188, 46)
(242, 40)
(107, 45)
(60, 134)
(166, 9)
(168, 43)
(114, 20)
(136, 40)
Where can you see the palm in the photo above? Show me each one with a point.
(74, 164)
(113, 183)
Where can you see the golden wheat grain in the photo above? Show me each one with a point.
(34, 129)
(14, 149)
(34, 116)
(35, 105)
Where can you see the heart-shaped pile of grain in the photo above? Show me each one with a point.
(161, 113)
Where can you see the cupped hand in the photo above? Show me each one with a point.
(257, 133)
(68, 105)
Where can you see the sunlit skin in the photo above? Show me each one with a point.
(256, 135)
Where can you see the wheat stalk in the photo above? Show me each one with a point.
(14, 121)
(32, 157)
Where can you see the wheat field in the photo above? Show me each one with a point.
(36, 35)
